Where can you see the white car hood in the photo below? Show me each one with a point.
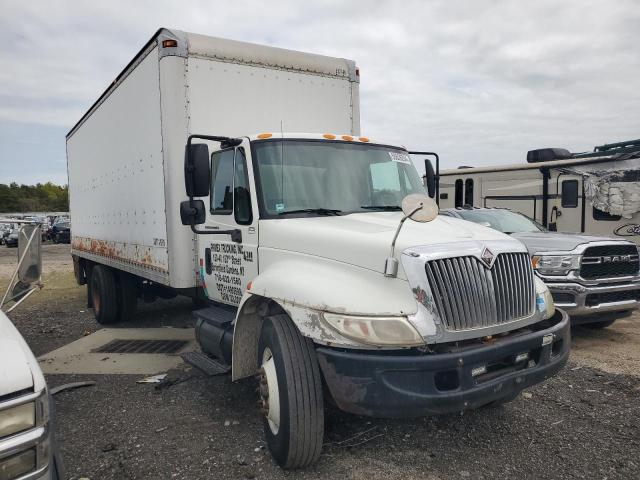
(19, 369)
(364, 239)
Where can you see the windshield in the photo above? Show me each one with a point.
(331, 178)
(502, 220)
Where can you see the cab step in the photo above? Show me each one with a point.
(207, 365)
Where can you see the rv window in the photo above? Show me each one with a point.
(468, 192)
(570, 193)
(459, 184)
(222, 182)
(607, 217)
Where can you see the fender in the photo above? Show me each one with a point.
(301, 286)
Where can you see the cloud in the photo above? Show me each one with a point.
(480, 82)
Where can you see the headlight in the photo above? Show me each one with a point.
(381, 331)
(17, 419)
(555, 264)
(18, 465)
(544, 300)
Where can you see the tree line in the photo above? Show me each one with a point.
(42, 197)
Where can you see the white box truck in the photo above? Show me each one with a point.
(183, 179)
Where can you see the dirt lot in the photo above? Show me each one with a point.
(585, 423)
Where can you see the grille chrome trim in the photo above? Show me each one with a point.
(468, 295)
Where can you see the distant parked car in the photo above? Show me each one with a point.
(12, 239)
(596, 280)
(61, 232)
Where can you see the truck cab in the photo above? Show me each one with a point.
(294, 235)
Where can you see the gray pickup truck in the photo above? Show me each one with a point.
(596, 280)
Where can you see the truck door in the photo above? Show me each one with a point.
(566, 212)
(226, 266)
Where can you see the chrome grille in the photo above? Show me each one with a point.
(469, 295)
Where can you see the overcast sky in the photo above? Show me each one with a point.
(480, 82)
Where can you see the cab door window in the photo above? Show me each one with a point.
(230, 185)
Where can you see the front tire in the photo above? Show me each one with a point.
(290, 393)
(104, 297)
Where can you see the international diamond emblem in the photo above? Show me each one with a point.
(487, 257)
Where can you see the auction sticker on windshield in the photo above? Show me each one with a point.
(399, 157)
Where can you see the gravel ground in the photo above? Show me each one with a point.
(584, 423)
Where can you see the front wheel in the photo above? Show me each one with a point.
(290, 393)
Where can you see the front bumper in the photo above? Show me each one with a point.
(581, 300)
(411, 385)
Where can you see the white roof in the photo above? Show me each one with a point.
(250, 53)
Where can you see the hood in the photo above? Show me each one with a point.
(19, 370)
(364, 239)
(555, 241)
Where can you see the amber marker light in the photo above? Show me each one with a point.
(363, 139)
(329, 136)
(348, 138)
(169, 43)
(265, 135)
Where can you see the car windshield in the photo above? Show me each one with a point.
(308, 177)
(502, 220)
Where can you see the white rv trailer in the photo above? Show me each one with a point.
(596, 193)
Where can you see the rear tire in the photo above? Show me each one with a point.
(294, 422)
(127, 296)
(104, 297)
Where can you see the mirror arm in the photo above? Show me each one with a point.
(391, 263)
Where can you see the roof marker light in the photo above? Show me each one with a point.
(265, 135)
(329, 136)
(363, 139)
(169, 43)
(347, 137)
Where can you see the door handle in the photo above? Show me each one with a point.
(207, 261)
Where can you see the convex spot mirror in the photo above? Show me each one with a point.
(192, 212)
(196, 170)
(419, 207)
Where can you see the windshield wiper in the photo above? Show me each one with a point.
(390, 208)
(319, 211)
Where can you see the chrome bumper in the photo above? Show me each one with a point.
(585, 300)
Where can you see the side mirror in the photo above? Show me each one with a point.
(196, 170)
(192, 212)
(430, 178)
(30, 269)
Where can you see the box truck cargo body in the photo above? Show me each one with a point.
(319, 257)
(126, 154)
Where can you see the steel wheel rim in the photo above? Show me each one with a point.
(269, 391)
